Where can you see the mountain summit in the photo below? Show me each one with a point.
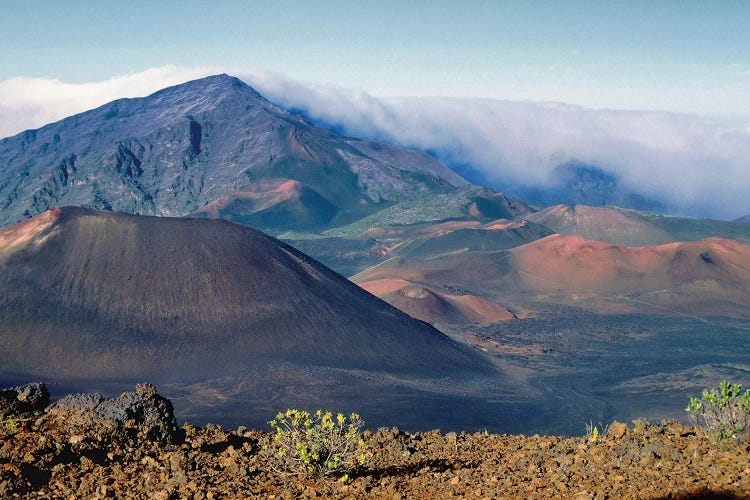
(212, 147)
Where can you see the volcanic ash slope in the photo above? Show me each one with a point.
(211, 307)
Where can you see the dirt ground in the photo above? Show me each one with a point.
(60, 455)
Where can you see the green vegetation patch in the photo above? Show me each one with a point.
(724, 411)
(427, 209)
(319, 445)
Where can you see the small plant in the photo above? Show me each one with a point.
(10, 424)
(593, 432)
(319, 445)
(725, 411)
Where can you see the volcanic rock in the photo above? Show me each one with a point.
(24, 400)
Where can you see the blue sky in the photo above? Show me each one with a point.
(618, 64)
(684, 56)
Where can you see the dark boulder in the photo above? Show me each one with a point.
(24, 400)
(143, 413)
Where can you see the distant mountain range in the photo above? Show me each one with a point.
(212, 147)
(581, 184)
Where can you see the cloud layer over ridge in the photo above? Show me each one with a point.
(691, 165)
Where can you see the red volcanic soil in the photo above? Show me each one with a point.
(447, 227)
(699, 273)
(504, 224)
(479, 310)
(709, 277)
(433, 307)
(78, 453)
(614, 225)
(276, 203)
(264, 195)
(384, 286)
(22, 233)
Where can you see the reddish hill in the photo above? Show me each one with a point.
(272, 202)
(703, 277)
(434, 307)
(709, 277)
(615, 225)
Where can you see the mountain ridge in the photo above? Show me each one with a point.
(174, 151)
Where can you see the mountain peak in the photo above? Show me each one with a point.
(214, 138)
(212, 85)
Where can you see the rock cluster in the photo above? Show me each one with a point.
(151, 414)
(23, 400)
(85, 446)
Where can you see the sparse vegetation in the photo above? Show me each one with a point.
(724, 411)
(320, 445)
(593, 432)
(10, 424)
(425, 209)
(53, 453)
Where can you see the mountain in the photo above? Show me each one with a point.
(212, 147)
(206, 308)
(582, 184)
(435, 307)
(619, 226)
(633, 228)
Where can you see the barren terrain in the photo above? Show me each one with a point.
(128, 447)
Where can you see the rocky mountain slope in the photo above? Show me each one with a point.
(212, 147)
(210, 307)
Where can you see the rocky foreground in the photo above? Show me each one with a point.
(84, 446)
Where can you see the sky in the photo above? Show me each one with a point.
(684, 56)
(656, 93)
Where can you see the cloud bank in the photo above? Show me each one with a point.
(689, 164)
(692, 166)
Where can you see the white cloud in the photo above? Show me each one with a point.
(27, 103)
(692, 165)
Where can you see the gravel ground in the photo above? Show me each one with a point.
(73, 453)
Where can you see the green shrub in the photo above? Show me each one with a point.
(317, 445)
(725, 411)
(10, 424)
